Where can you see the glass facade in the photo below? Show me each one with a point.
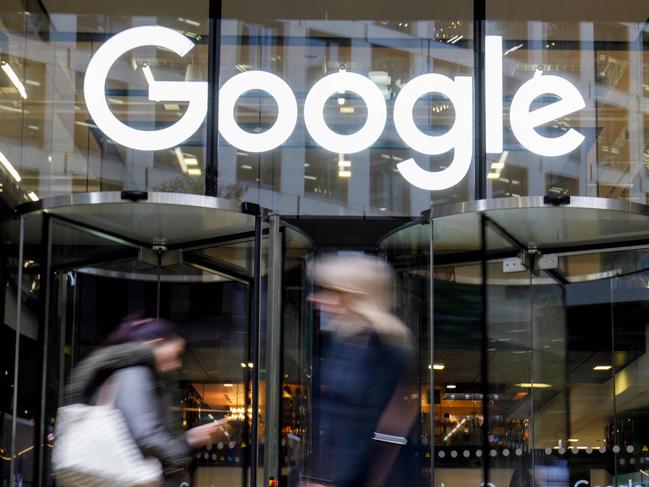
(523, 280)
(51, 139)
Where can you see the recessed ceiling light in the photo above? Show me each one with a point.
(533, 385)
(603, 367)
(451, 386)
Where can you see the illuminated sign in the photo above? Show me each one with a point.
(459, 90)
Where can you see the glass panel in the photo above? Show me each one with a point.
(511, 385)
(92, 294)
(627, 376)
(565, 226)
(167, 224)
(296, 356)
(19, 280)
(304, 42)
(408, 251)
(47, 133)
(599, 48)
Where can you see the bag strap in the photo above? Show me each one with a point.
(107, 393)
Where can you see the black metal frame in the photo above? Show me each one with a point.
(214, 70)
(45, 304)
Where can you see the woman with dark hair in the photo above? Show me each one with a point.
(129, 370)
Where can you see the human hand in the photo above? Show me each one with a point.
(205, 434)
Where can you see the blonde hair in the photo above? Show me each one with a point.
(367, 284)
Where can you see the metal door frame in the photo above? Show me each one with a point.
(275, 248)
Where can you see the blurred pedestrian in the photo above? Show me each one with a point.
(364, 408)
(128, 372)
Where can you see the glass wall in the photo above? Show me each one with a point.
(536, 344)
(302, 44)
(602, 49)
(51, 144)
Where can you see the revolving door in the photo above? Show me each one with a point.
(226, 276)
(533, 353)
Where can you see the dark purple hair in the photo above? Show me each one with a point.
(142, 330)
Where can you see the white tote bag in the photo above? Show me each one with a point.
(94, 448)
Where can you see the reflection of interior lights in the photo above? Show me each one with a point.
(344, 167)
(181, 159)
(573, 440)
(436, 366)
(515, 48)
(193, 171)
(603, 367)
(228, 385)
(148, 74)
(456, 39)
(191, 161)
(9, 167)
(533, 385)
(451, 386)
(33, 196)
(455, 430)
(189, 22)
(240, 412)
(11, 74)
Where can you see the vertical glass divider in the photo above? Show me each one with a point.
(273, 353)
(431, 308)
(19, 278)
(484, 345)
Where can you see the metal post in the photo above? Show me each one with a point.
(484, 345)
(19, 279)
(273, 352)
(214, 69)
(256, 320)
(480, 144)
(431, 311)
(40, 430)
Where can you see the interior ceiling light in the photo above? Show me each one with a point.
(9, 167)
(13, 77)
(456, 39)
(344, 167)
(181, 160)
(515, 48)
(602, 367)
(533, 385)
(451, 386)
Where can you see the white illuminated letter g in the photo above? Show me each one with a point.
(459, 137)
(194, 92)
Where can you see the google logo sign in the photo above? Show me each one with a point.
(459, 90)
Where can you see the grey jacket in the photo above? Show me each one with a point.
(137, 394)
